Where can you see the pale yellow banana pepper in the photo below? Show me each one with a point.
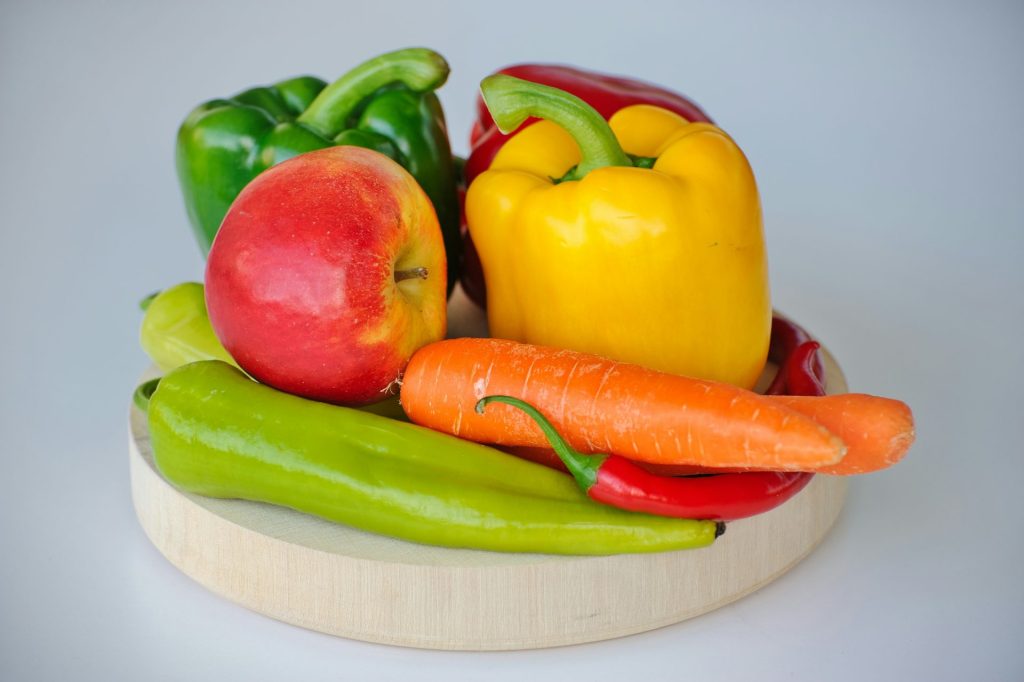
(641, 242)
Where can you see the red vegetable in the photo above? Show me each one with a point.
(801, 369)
(616, 481)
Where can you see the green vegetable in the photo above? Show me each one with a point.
(215, 432)
(386, 104)
(176, 331)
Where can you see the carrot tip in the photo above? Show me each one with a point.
(899, 446)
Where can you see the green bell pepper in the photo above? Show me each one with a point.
(215, 432)
(386, 104)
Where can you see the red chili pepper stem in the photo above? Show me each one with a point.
(583, 468)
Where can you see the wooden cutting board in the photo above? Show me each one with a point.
(335, 579)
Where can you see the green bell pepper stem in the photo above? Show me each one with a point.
(512, 100)
(582, 467)
(419, 69)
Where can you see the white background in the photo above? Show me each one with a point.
(887, 140)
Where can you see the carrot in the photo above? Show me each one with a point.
(604, 406)
(877, 432)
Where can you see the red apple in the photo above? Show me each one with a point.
(327, 273)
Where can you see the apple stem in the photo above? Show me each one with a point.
(414, 273)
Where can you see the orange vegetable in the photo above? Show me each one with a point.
(604, 406)
(877, 432)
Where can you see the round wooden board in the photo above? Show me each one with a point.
(335, 579)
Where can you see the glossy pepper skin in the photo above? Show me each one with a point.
(621, 483)
(214, 432)
(798, 356)
(606, 93)
(386, 104)
(654, 257)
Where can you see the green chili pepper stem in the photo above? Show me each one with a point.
(143, 393)
(582, 467)
(144, 303)
(512, 100)
(418, 68)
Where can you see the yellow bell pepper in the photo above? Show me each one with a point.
(638, 239)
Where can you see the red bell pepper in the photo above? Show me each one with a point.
(605, 93)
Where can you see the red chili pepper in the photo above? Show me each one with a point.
(605, 93)
(800, 377)
(619, 482)
(801, 369)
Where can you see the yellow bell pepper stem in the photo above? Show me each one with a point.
(513, 100)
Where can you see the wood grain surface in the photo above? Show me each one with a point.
(335, 579)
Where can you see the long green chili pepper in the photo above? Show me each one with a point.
(215, 432)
